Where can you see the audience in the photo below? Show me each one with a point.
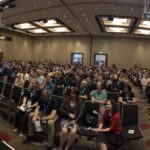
(80, 84)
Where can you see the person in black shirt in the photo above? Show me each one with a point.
(127, 96)
(30, 101)
(46, 112)
(70, 112)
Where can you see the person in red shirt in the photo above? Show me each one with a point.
(109, 128)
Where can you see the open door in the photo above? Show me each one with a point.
(77, 59)
(100, 60)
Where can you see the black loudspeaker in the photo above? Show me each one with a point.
(110, 18)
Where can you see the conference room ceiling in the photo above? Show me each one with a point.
(82, 17)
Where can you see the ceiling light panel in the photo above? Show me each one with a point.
(24, 26)
(142, 31)
(116, 29)
(114, 21)
(48, 23)
(37, 31)
(145, 24)
(59, 29)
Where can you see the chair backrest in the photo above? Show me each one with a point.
(130, 115)
(113, 95)
(12, 80)
(1, 87)
(58, 91)
(57, 99)
(26, 84)
(7, 90)
(16, 94)
(90, 114)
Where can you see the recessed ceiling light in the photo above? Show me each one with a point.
(3, 1)
(37, 31)
(59, 29)
(83, 15)
(34, 6)
(117, 21)
(80, 8)
(48, 23)
(96, 8)
(117, 29)
(145, 24)
(142, 31)
(24, 26)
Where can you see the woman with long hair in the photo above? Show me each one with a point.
(109, 127)
(70, 111)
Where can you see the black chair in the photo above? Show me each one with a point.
(15, 97)
(1, 87)
(12, 80)
(58, 91)
(90, 119)
(113, 95)
(6, 93)
(4, 101)
(26, 84)
(130, 124)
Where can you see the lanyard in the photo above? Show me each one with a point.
(82, 91)
(127, 96)
(46, 106)
(32, 94)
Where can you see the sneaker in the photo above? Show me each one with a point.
(21, 135)
(49, 148)
(15, 130)
(27, 139)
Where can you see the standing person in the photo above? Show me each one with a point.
(71, 111)
(109, 128)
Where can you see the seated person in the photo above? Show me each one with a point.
(84, 91)
(109, 127)
(71, 111)
(99, 95)
(127, 96)
(49, 86)
(30, 101)
(46, 112)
